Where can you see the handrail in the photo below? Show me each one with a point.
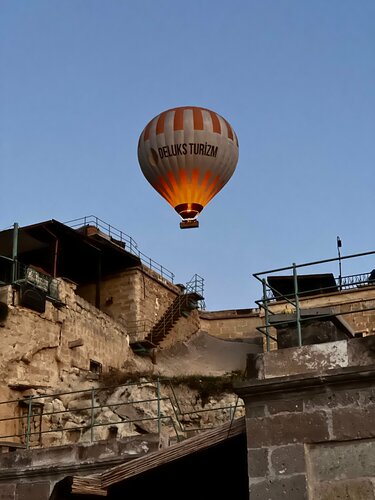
(271, 295)
(118, 236)
(33, 403)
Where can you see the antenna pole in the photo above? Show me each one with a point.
(339, 245)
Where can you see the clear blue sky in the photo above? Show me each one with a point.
(296, 79)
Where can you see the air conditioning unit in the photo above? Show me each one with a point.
(32, 298)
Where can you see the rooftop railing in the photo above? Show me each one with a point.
(126, 241)
(274, 293)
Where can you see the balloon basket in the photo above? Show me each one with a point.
(189, 223)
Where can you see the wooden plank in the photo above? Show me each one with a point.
(200, 442)
(88, 485)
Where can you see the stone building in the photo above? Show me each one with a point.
(82, 308)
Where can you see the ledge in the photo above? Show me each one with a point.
(279, 386)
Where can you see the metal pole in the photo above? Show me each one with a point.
(29, 412)
(92, 413)
(266, 314)
(15, 251)
(158, 394)
(339, 245)
(298, 312)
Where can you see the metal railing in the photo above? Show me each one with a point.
(34, 422)
(196, 285)
(144, 327)
(271, 296)
(122, 239)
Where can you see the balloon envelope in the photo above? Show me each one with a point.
(188, 154)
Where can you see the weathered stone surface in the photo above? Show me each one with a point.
(342, 460)
(333, 398)
(7, 492)
(288, 459)
(305, 359)
(258, 462)
(290, 488)
(361, 352)
(285, 405)
(335, 423)
(204, 353)
(33, 491)
(256, 410)
(285, 429)
(355, 489)
(352, 423)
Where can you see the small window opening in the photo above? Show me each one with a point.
(95, 367)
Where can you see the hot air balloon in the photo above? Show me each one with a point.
(188, 154)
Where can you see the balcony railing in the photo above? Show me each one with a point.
(33, 418)
(293, 287)
(126, 241)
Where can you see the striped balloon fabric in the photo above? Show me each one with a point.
(188, 154)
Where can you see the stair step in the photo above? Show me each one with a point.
(181, 306)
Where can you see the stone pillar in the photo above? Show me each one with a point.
(311, 435)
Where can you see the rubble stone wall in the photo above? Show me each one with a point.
(42, 349)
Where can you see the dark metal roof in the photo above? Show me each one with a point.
(75, 254)
(308, 284)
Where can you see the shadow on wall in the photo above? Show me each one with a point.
(3, 312)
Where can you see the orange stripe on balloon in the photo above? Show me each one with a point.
(159, 189)
(173, 184)
(198, 119)
(165, 190)
(146, 135)
(197, 187)
(184, 184)
(195, 176)
(178, 122)
(216, 127)
(229, 128)
(213, 189)
(203, 187)
(199, 193)
(160, 123)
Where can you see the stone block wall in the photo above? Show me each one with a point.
(311, 430)
(136, 298)
(231, 324)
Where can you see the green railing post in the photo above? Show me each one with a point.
(266, 314)
(29, 414)
(298, 311)
(92, 414)
(159, 415)
(14, 252)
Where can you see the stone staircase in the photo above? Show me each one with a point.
(182, 306)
